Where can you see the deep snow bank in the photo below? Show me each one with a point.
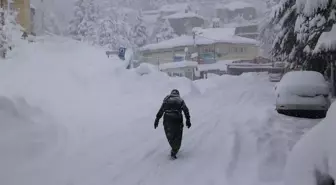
(313, 157)
(86, 93)
(59, 72)
(25, 133)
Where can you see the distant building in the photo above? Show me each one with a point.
(229, 11)
(248, 31)
(210, 47)
(183, 22)
(174, 8)
(24, 13)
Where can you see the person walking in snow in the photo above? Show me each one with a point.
(171, 110)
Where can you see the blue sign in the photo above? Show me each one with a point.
(178, 58)
(121, 53)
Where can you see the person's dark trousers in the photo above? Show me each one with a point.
(174, 133)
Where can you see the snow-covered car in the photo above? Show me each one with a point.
(302, 91)
(276, 73)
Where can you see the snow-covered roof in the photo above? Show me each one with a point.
(327, 41)
(217, 33)
(174, 65)
(234, 5)
(220, 65)
(181, 15)
(250, 66)
(177, 7)
(208, 36)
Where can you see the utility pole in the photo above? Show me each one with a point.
(332, 68)
(2, 17)
(215, 52)
(42, 16)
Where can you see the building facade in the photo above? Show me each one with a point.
(24, 12)
(218, 51)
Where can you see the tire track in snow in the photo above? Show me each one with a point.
(236, 149)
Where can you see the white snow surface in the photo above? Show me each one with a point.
(181, 15)
(234, 5)
(315, 152)
(145, 68)
(173, 65)
(221, 65)
(70, 115)
(175, 7)
(207, 36)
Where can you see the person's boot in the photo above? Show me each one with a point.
(173, 154)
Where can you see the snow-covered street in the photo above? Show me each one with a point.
(74, 117)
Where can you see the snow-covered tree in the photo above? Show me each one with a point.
(285, 45)
(165, 32)
(314, 19)
(77, 19)
(105, 33)
(51, 24)
(139, 32)
(83, 24)
(302, 22)
(9, 31)
(113, 33)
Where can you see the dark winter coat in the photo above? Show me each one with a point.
(171, 110)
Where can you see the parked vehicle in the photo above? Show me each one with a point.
(303, 91)
(276, 72)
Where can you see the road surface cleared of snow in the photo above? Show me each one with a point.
(94, 124)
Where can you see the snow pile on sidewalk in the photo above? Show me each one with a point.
(313, 157)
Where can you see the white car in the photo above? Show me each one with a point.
(302, 91)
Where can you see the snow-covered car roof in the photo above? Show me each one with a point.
(303, 83)
(302, 77)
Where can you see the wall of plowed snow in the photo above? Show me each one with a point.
(78, 87)
(58, 72)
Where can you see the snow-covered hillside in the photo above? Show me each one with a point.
(74, 116)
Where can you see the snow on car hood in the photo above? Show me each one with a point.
(304, 89)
